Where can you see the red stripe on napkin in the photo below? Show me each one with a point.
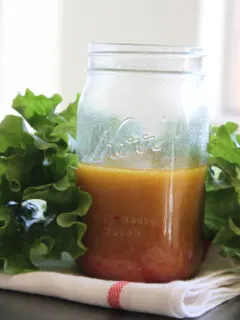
(114, 293)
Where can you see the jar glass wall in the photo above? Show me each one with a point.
(142, 132)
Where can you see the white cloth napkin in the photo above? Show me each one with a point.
(217, 282)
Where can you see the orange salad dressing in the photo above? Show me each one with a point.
(144, 225)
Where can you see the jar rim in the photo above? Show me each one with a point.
(99, 48)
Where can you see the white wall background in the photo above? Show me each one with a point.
(43, 42)
(231, 86)
(134, 21)
(30, 42)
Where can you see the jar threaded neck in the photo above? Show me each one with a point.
(144, 58)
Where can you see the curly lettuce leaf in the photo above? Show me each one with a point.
(222, 210)
(41, 209)
(69, 117)
(38, 110)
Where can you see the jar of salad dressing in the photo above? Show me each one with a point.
(142, 133)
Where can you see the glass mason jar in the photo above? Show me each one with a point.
(142, 131)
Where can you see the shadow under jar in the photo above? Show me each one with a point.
(142, 132)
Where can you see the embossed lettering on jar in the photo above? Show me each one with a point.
(142, 133)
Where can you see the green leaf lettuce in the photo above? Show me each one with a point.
(222, 210)
(41, 208)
